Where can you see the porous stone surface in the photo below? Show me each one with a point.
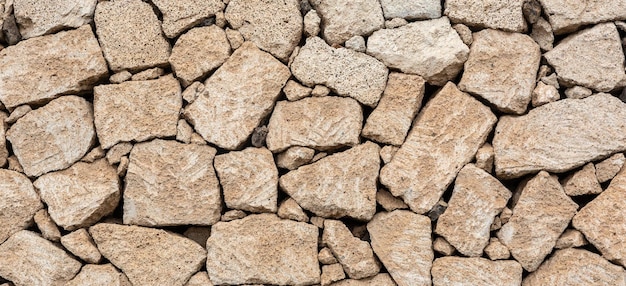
(295, 91)
(494, 14)
(181, 15)
(412, 9)
(582, 182)
(294, 157)
(18, 203)
(99, 275)
(542, 34)
(343, 19)
(544, 94)
(312, 22)
(148, 74)
(566, 16)
(609, 167)
(49, 230)
(571, 238)
(495, 250)
(332, 273)
(476, 271)
(199, 279)
(79, 243)
(356, 256)
(36, 18)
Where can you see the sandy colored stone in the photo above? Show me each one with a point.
(197, 139)
(494, 14)
(411, 9)
(99, 275)
(169, 182)
(465, 33)
(294, 157)
(137, 110)
(181, 15)
(567, 16)
(484, 157)
(390, 122)
(343, 19)
(274, 26)
(93, 155)
(340, 185)
(540, 215)
(191, 93)
(317, 221)
(476, 271)
(183, 131)
(312, 22)
(119, 150)
(199, 52)
(388, 201)
(18, 203)
(544, 94)
(542, 34)
(382, 279)
(443, 247)
(79, 243)
(122, 167)
(49, 230)
(592, 58)
(356, 256)
(576, 267)
(295, 91)
(609, 167)
(54, 136)
(560, 136)
(4, 152)
(36, 18)
(234, 38)
(578, 92)
(456, 125)
(17, 113)
(582, 182)
(263, 249)
(571, 238)
(44, 68)
(495, 250)
(148, 256)
(120, 77)
(332, 273)
(130, 35)
(387, 153)
(326, 256)
(233, 215)
(395, 23)
(148, 74)
(289, 209)
(220, 20)
(431, 49)
(237, 97)
(320, 90)
(14, 164)
(199, 279)
(356, 43)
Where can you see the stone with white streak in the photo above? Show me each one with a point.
(494, 14)
(18, 203)
(181, 15)
(36, 18)
(343, 19)
(476, 271)
(356, 256)
(567, 16)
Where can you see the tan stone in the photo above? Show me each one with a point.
(121, 77)
(233, 215)
(4, 152)
(382, 279)
(356, 43)
(484, 158)
(199, 234)
(181, 15)
(199, 279)
(431, 49)
(340, 185)
(119, 150)
(295, 91)
(99, 275)
(332, 273)
(49, 230)
(137, 110)
(263, 249)
(17, 113)
(289, 209)
(387, 153)
(312, 22)
(443, 247)
(582, 182)
(93, 155)
(343, 19)
(395, 23)
(320, 90)
(411, 10)
(609, 167)
(183, 131)
(567, 16)
(36, 18)
(476, 271)
(544, 94)
(578, 92)
(457, 125)
(191, 93)
(14, 164)
(148, 74)
(390, 122)
(542, 34)
(294, 157)
(495, 250)
(234, 38)
(571, 238)
(18, 203)
(356, 256)
(326, 256)
(494, 14)
(122, 167)
(388, 201)
(465, 33)
(80, 244)
(506, 214)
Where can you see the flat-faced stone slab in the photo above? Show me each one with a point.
(54, 136)
(340, 185)
(181, 15)
(609, 167)
(402, 241)
(137, 110)
(567, 16)
(543, 138)
(412, 9)
(495, 14)
(321, 123)
(80, 244)
(99, 275)
(317, 63)
(237, 97)
(431, 49)
(149, 256)
(582, 182)
(445, 136)
(382, 279)
(344, 19)
(18, 203)
(171, 183)
(41, 68)
(36, 18)
(356, 256)
(263, 249)
(476, 271)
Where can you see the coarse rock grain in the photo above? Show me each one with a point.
(343, 19)
(551, 79)
(220, 20)
(356, 43)
(263, 249)
(388, 201)
(233, 215)
(494, 14)
(36, 18)
(14, 164)
(289, 209)
(122, 167)
(120, 77)
(17, 113)
(183, 131)
(387, 153)
(578, 92)
(148, 74)
(332, 273)
(411, 9)
(395, 23)
(199, 279)
(495, 250)
(609, 167)
(234, 38)
(356, 256)
(320, 90)
(18, 203)
(93, 155)
(476, 271)
(191, 93)
(456, 125)
(542, 34)
(582, 182)
(79, 243)
(484, 157)
(4, 152)
(294, 157)
(49, 230)
(382, 279)
(99, 275)
(181, 15)
(199, 234)
(119, 150)
(532, 11)
(312, 22)
(431, 49)
(571, 238)
(544, 94)
(465, 33)
(567, 16)
(326, 256)
(295, 91)
(443, 247)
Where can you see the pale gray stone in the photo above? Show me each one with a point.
(181, 15)
(567, 16)
(36, 18)
(411, 9)
(343, 19)
(494, 14)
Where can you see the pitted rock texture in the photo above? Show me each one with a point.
(181, 15)
(36, 18)
(18, 203)
(460, 270)
(566, 16)
(343, 19)
(495, 14)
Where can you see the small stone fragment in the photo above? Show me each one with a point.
(465, 33)
(387, 153)
(198, 234)
(356, 43)
(411, 9)
(18, 203)
(495, 250)
(355, 255)
(493, 14)
(99, 275)
(318, 221)
(484, 158)
(582, 182)
(148, 74)
(80, 244)
(312, 23)
(294, 157)
(443, 247)
(199, 279)
(295, 91)
(451, 270)
(193, 91)
(506, 214)
(14, 164)
(571, 238)
(551, 79)
(382, 279)
(220, 20)
(123, 166)
(183, 131)
(608, 168)
(259, 135)
(532, 11)
(234, 38)
(542, 34)
(93, 155)
(326, 257)
(119, 150)
(49, 230)
(388, 201)
(18, 113)
(197, 139)
(233, 215)
(320, 90)
(181, 15)
(578, 92)
(120, 77)
(566, 16)
(497, 224)
(343, 19)
(332, 273)
(395, 23)
(289, 209)
(544, 94)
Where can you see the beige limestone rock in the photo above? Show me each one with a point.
(544, 94)
(198, 52)
(181, 15)
(80, 195)
(465, 33)
(36, 18)
(263, 249)
(355, 255)
(191, 93)
(4, 152)
(199, 234)
(356, 43)
(484, 157)
(343, 19)
(332, 273)
(148, 74)
(233, 215)
(14, 164)
(80, 244)
(445, 136)
(18, 203)
(431, 49)
(411, 9)
(571, 238)
(494, 14)
(121, 77)
(326, 256)
(395, 23)
(576, 267)
(387, 153)
(17, 113)
(137, 110)
(294, 157)
(542, 34)
(49, 230)
(168, 182)
(119, 150)
(99, 275)
(237, 97)
(582, 182)
(402, 241)
(295, 91)
(540, 215)
(312, 22)
(567, 16)
(340, 185)
(130, 35)
(199, 279)
(234, 38)
(183, 131)
(495, 250)
(476, 271)
(609, 167)
(320, 90)
(388, 201)
(382, 279)
(321, 123)
(592, 58)
(274, 26)
(560, 136)
(440, 245)
(93, 155)
(54, 136)
(390, 122)
(289, 209)
(122, 167)
(44, 68)
(148, 256)
(578, 92)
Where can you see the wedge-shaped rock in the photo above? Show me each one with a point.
(317, 63)
(476, 200)
(199, 279)
(43, 68)
(149, 256)
(29, 259)
(382, 279)
(567, 16)
(80, 244)
(431, 49)
(445, 136)
(137, 110)
(591, 58)
(540, 215)
(99, 275)
(560, 136)
(322, 123)
(494, 14)
(36, 18)
(502, 68)
(476, 271)
(411, 10)
(237, 97)
(340, 185)
(356, 256)
(18, 203)
(263, 249)
(54, 136)
(344, 19)
(582, 182)
(181, 15)
(609, 167)
(402, 241)
(171, 183)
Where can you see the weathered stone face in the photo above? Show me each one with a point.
(181, 15)
(18, 203)
(36, 18)
(566, 16)
(494, 14)
(356, 256)
(476, 270)
(343, 19)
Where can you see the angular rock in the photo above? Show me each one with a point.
(493, 14)
(445, 136)
(54, 136)
(495, 250)
(294, 157)
(49, 230)
(322, 123)
(544, 94)
(388, 201)
(387, 153)
(541, 139)
(343, 19)
(184, 131)
(326, 256)
(567, 16)
(582, 182)
(169, 182)
(234, 38)
(609, 167)
(199, 279)
(121, 77)
(18, 203)
(465, 33)
(191, 93)
(99, 275)
(540, 215)
(578, 92)
(542, 34)
(332, 273)
(137, 110)
(312, 22)
(382, 279)
(14, 164)
(80, 244)
(181, 15)
(289, 209)
(251, 250)
(295, 91)
(44, 68)
(37, 18)
(237, 97)
(484, 158)
(501, 68)
(233, 215)
(355, 255)
(320, 90)
(340, 185)
(148, 256)
(395, 23)
(412, 9)
(356, 43)
(119, 150)
(571, 238)
(16, 114)
(148, 74)
(476, 271)
(431, 49)
(440, 245)
(402, 241)
(93, 155)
